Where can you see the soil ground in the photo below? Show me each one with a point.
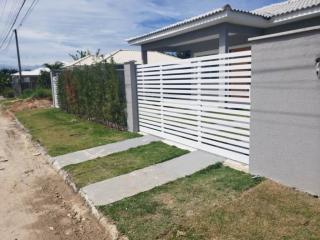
(35, 201)
(26, 104)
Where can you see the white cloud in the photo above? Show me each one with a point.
(56, 28)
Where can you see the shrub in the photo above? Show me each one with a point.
(94, 92)
(37, 93)
(42, 93)
(8, 92)
(27, 93)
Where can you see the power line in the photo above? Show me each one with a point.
(5, 49)
(26, 15)
(12, 25)
(29, 11)
(14, 22)
(9, 19)
(12, 11)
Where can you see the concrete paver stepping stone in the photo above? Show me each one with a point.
(101, 151)
(117, 188)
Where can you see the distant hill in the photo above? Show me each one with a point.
(24, 67)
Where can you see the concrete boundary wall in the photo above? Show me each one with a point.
(285, 113)
(131, 92)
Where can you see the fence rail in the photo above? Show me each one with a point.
(202, 102)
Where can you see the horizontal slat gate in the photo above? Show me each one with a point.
(202, 102)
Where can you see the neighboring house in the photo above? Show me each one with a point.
(29, 78)
(122, 56)
(87, 60)
(228, 30)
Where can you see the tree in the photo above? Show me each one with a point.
(84, 53)
(5, 75)
(55, 66)
(98, 53)
(80, 54)
(44, 79)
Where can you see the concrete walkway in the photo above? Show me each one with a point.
(127, 185)
(101, 151)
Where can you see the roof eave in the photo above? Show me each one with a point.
(295, 16)
(227, 16)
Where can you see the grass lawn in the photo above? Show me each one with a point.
(121, 163)
(218, 203)
(62, 133)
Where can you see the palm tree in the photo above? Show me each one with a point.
(99, 54)
(80, 54)
(83, 53)
(55, 66)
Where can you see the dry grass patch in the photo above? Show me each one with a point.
(218, 203)
(269, 211)
(181, 209)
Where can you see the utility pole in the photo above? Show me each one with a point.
(19, 61)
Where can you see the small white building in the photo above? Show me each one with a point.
(29, 78)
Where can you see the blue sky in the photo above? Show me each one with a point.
(56, 28)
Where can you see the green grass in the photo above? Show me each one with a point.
(183, 209)
(62, 133)
(120, 163)
(218, 203)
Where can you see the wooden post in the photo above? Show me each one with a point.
(19, 62)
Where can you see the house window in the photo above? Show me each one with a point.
(26, 80)
(180, 54)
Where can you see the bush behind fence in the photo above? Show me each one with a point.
(95, 92)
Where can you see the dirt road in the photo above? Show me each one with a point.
(35, 202)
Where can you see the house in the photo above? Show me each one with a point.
(248, 88)
(87, 60)
(122, 56)
(228, 30)
(29, 78)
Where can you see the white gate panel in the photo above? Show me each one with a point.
(201, 102)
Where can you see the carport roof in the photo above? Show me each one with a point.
(262, 17)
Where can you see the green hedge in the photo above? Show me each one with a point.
(8, 92)
(38, 93)
(93, 92)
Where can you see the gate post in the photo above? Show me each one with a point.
(54, 88)
(130, 76)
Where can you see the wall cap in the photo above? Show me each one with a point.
(286, 33)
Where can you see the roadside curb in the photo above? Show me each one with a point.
(109, 227)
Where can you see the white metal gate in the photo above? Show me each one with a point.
(201, 102)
